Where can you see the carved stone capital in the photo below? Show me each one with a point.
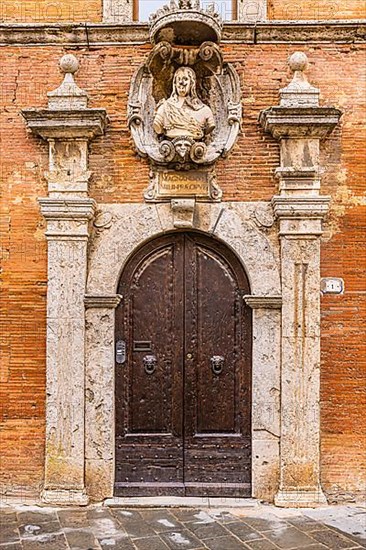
(66, 124)
(299, 122)
(81, 209)
(300, 207)
(300, 217)
(102, 301)
(263, 302)
(67, 219)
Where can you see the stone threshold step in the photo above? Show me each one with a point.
(180, 502)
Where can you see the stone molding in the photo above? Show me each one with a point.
(299, 122)
(66, 124)
(300, 207)
(64, 498)
(99, 34)
(81, 209)
(102, 301)
(263, 302)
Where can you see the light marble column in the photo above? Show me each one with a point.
(67, 124)
(299, 123)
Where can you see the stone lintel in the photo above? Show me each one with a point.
(66, 124)
(81, 209)
(263, 302)
(299, 122)
(102, 301)
(299, 207)
(65, 497)
(301, 498)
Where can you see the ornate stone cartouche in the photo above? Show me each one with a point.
(184, 102)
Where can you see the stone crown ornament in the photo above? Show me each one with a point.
(184, 22)
(184, 102)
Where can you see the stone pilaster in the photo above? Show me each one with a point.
(68, 125)
(299, 123)
(99, 403)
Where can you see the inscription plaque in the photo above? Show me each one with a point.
(187, 184)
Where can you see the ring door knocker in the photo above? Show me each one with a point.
(217, 364)
(150, 363)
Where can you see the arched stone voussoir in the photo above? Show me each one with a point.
(121, 228)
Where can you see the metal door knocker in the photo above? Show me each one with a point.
(150, 363)
(217, 364)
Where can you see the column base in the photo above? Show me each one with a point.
(300, 498)
(65, 497)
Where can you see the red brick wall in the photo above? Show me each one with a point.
(316, 9)
(42, 11)
(119, 176)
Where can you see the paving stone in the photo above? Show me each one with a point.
(243, 531)
(150, 543)
(224, 543)
(112, 543)
(305, 524)
(181, 539)
(73, 518)
(268, 523)
(289, 537)
(139, 529)
(207, 530)
(125, 516)
(332, 539)
(263, 544)
(7, 517)
(80, 539)
(28, 530)
(34, 518)
(222, 517)
(9, 533)
(46, 542)
(161, 520)
(188, 515)
(99, 512)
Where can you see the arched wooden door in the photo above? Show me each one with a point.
(183, 371)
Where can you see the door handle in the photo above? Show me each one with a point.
(150, 362)
(217, 364)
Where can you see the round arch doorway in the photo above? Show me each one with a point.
(183, 371)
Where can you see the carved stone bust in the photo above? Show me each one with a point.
(183, 114)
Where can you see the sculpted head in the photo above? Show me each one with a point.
(184, 83)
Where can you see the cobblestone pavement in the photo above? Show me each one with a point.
(258, 528)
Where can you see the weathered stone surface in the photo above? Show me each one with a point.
(298, 32)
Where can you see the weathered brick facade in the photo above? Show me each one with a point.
(29, 72)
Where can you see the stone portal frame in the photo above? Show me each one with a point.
(120, 230)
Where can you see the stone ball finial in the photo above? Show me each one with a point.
(69, 63)
(298, 61)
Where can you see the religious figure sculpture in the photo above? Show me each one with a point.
(183, 114)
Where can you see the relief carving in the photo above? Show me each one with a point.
(184, 103)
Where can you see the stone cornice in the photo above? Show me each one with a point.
(263, 302)
(102, 301)
(315, 207)
(66, 124)
(80, 209)
(299, 122)
(99, 34)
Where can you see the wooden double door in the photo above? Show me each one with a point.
(183, 371)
